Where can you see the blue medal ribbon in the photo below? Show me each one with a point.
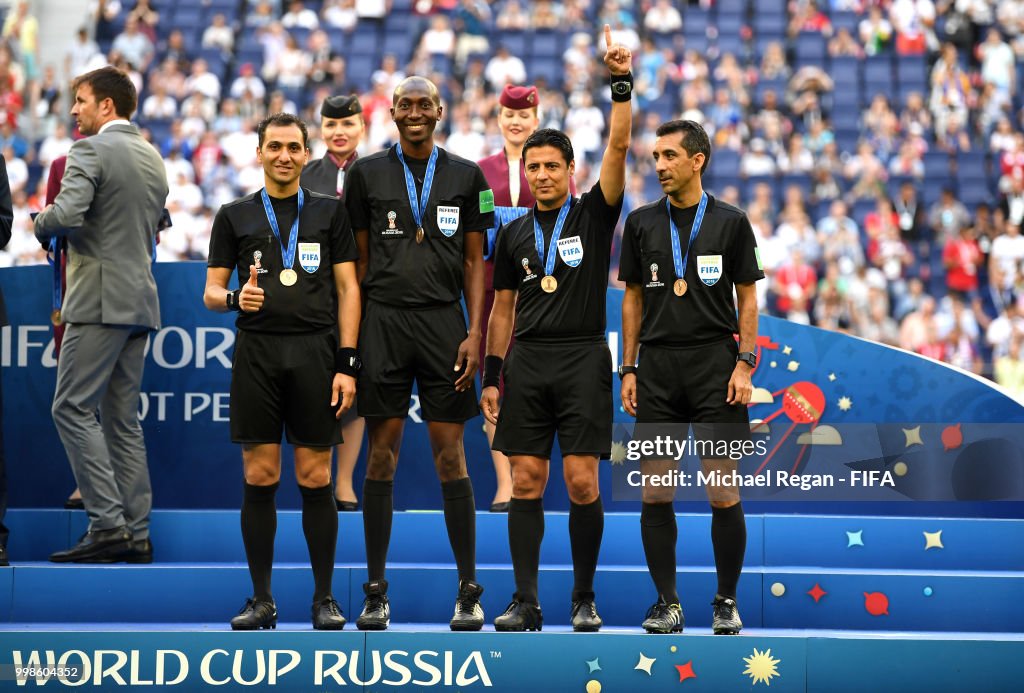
(678, 259)
(410, 185)
(502, 216)
(538, 238)
(287, 254)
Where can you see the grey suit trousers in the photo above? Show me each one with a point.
(95, 409)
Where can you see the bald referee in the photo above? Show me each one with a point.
(342, 128)
(550, 281)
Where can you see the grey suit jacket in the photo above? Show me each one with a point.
(109, 206)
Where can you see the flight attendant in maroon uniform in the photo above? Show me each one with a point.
(518, 118)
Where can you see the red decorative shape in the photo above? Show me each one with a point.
(686, 671)
(952, 437)
(876, 603)
(803, 402)
(817, 593)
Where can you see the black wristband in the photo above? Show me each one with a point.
(346, 361)
(622, 87)
(232, 300)
(492, 371)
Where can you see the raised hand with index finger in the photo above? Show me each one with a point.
(617, 58)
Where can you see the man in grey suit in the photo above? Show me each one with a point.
(109, 207)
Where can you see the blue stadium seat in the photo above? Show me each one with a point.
(732, 43)
(363, 43)
(360, 67)
(975, 192)
(767, 23)
(936, 163)
(846, 20)
(810, 48)
(727, 162)
(301, 35)
(878, 76)
(732, 7)
(516, 42)
(399, 24)
(910, 70)
(729, 23)
(548, 44)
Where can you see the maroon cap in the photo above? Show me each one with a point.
(518, 97)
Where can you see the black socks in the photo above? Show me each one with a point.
(659, 532)
(729, 539)
(378, 508)
(259, 525)
(320, 525)
(525, 532)
(586, 527)
(460, 519)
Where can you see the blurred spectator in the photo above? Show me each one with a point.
(299, 16)
(807, 17)
(874, 31)
(997, 65)
(81, 55)
(464, 141)
(54, 145)
(504, 68)
(134, 45)
(248, 81)
(439, 39)
(203, 82)
(1012, 203)
(913, 21)
(1006, 263)
(961, 258)
(473, 19)
(373, 9)
(219, 34)
(663, 18)
(844, 45)
(795, 285)
(951, 93)
(544, 15)
(261, 17)
(1009, 369)
(21, 32)
(756, 161)
(773, 63)
(947, 216)
(340, 14)
(512, 17)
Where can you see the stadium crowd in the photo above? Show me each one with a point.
(877, 145)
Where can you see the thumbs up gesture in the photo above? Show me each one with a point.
(250, 298)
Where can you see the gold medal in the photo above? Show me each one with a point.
(55, 317)
(419, 235)
(679, 287)
(549, 284)
(288, 277)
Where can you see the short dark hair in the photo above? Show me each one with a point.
(695, 138)
(282, 120)
(549, 137)
(111, 83)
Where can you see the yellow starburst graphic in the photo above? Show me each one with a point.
(761, 667)
(618, 453)
(845, 403)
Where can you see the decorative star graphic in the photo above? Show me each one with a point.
(913, 436)
(787, 350)
(686, 671)
(855, 538)
(793, 366)
(773, 364)
(645, 663)
(618, 453)
(594, 665)
(831, 377)
(933, 540)
(845, 404)
(816, 593)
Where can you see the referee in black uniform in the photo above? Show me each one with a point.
(419, 215)
(550, 280)
(342, 129)
(295, 257)
(681, 259)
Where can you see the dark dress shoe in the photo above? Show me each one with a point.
(74, 504)
(97, 547)
(346, 506)
(327, 615)
(3, 556)
(519, 617)
(499, 507)
(141, 551)
(254, 615)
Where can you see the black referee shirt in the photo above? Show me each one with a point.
(240, 229)
(725, 253)
(576, 309)
(402, 272)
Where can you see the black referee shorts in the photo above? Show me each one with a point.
(564, 388)
(690, 385)
(399, 345)
(284, 380)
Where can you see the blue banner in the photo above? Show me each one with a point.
(184, 402)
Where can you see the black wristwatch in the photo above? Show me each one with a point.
(232, 301)
(622, 87)
(624, 370)
(747, 357)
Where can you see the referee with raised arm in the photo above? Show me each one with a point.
(682, 257)
(419, 215)
(550, 280)
(295, 257)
